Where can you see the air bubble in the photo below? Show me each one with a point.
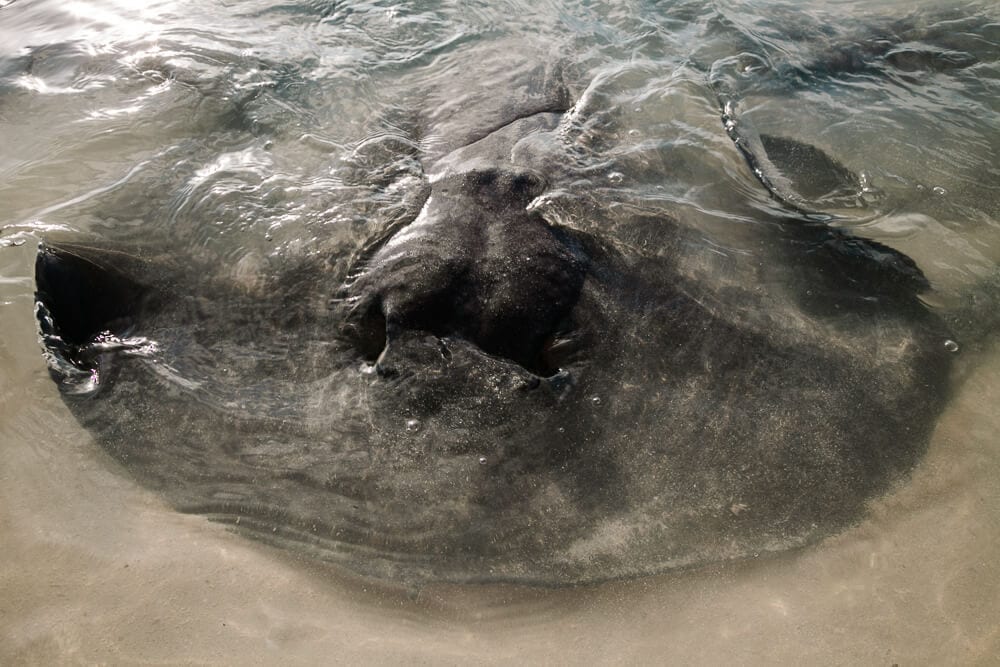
(939, 191)
(749, 65)
(595, 400)
(412, 425)
(482, 460)
(951, 345)
(634, 133)
(616, 177)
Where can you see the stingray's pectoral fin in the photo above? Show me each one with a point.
(88, 306)
(799, 175)
(812, 177)
(887, 269)
(854, 268)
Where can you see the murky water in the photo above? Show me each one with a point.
(252, 134)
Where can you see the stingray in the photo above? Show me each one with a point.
(480, 393)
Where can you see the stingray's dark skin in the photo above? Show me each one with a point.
(485, 395)
(477, 265)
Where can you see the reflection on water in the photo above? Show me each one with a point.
(261, 133)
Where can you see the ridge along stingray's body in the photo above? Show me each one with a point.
(486, 395)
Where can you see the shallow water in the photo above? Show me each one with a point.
(251, 132)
